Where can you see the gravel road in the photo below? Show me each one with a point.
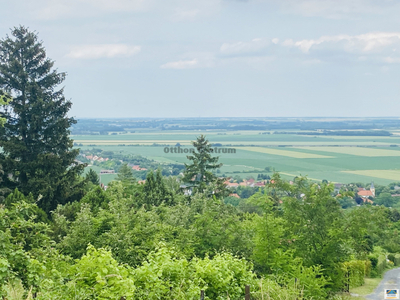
(391, 280)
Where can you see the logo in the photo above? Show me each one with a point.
(391, 294)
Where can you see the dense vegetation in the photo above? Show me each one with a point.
(147, 241)
(62, 236)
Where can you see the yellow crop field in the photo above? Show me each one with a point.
(284, 152)
(359, 151)
(385, 174)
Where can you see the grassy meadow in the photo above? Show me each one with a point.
(334, 158)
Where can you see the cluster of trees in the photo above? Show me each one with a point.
(64, 237)
(149, 241)
(117, 160)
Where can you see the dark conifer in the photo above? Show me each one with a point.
(200, 172)
(37, 152)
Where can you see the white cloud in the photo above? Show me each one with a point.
(364, 43)
(392, 60)
(240, 48)
(181, 64)
(275, 41)
(375, 47)
(336, 8)
(103, 51)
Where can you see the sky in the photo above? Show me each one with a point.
(220, 58)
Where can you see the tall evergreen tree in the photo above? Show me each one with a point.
(155, 191)
(37, 152)
(125, 174)
(199, 172)
(92, 177)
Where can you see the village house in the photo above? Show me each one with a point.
(107, 172)
(138, 168)
(364, 194)
(231, 184)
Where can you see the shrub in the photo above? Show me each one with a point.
(354, 273)
(95, 276)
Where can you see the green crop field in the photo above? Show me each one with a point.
(359, 151)
(281, 152)
(334, 158)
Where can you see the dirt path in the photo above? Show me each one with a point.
(391, 280)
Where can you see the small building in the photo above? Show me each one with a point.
(138, 168)
(107, 172)
(232, 185)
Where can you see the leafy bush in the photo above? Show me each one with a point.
(95, 276)
(354, 273)
(224, 275)
(391, 257)
(165, 276)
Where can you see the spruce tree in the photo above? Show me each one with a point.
(125, 174)
(155, 191)
(199, 172)
(37, 154)
(92, 177)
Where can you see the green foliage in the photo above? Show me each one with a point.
(270, 289)
(385, 199)
(102, 276)
(4, 274)
(200, 171)
(224, 275)
(165, 276)
(311, 280)
(37, 154)
(19, 234)
(217, 226)
(95, 276)
(163, 251)
(83, 231)
(97, 198)
(234, 201)
(4, 100)
(92, 177)
(314, 220)
(378, 262)
(17, 197)
(125, 173)
(155, 191)
(354, 272)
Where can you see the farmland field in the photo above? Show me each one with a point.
(334, 158)
(284, 152)
(359, 151)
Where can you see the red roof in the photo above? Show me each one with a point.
(234, 195)
(365, 193)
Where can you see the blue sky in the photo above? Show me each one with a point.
(220, 58)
